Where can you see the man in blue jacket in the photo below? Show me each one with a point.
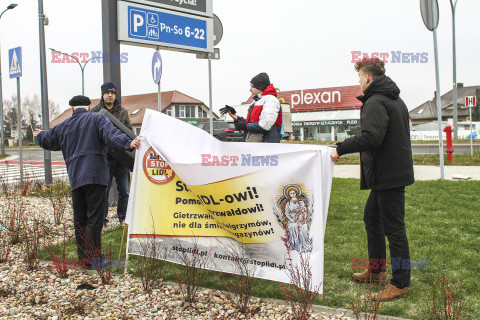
(83, 139)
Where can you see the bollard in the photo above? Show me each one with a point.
(448, 130)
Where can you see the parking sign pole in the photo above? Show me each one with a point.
(210, 91)
(47, 155)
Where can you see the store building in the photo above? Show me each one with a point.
(324, 114)
(174, 103)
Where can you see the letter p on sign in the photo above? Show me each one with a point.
(137, 23)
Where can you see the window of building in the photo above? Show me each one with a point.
(201, 113)
(180, 111)
(168, 111)
(189, 111)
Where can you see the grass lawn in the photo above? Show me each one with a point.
(443, 226)
(3, 156)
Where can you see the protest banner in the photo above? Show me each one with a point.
(270, 197)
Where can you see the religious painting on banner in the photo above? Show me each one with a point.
(192, 192)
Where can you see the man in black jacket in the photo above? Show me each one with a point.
(386, 168)
(110, 102)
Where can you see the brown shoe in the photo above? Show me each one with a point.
(389, 293)
(370, 277)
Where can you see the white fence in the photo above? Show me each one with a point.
(433, 135)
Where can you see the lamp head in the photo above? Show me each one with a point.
(11, 6)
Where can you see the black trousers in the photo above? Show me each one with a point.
(384, 215)
(88, 207)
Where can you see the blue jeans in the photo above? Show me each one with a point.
(122, 178)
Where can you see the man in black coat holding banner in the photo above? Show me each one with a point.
(386, 168)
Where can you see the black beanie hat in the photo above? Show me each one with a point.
(261, 81)
(79, 101)
(108, 86)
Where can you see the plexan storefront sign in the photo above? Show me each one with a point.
(315, 97)
(328, 123)
(199, 7)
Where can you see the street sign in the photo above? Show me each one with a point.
(470, 101)
(197, 7)
(15, 62)
(150, 26)
(214, 56)
(430, 15)
(156, 67)
(217, 30)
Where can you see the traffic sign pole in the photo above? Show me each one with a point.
(430, 16)
(210, 91)
(47, 155)
(471, 133)
(19, 129)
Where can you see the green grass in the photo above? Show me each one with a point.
(442, 226)
(3, 156)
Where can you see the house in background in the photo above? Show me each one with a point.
(174, 103)
(427, 111)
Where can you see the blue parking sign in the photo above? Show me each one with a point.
(15, 62)
(160, 28)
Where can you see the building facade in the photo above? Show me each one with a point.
(174, 103)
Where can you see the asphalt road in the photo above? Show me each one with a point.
(30, 154)
(36, 154)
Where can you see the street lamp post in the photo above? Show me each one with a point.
(455, 109)
(82, 67)
(11, 6)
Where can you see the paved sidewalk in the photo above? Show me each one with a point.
(421, 172)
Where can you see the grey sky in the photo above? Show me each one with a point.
(301, 44)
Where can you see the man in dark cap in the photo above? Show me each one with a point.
(264, 118)
(110, 102)
(83, 139)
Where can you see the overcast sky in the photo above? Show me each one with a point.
(302, 44)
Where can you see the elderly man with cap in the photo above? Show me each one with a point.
(83, 139)
(264, 117)
(110, 102)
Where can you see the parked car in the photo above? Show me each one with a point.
(223, 131)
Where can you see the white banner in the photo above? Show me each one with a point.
(192, 192)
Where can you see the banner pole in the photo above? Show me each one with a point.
(121, 246)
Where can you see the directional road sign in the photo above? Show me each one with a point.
(15, 62)
(150, 26)
(156, 67)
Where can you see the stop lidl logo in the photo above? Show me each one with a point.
(156, 169)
